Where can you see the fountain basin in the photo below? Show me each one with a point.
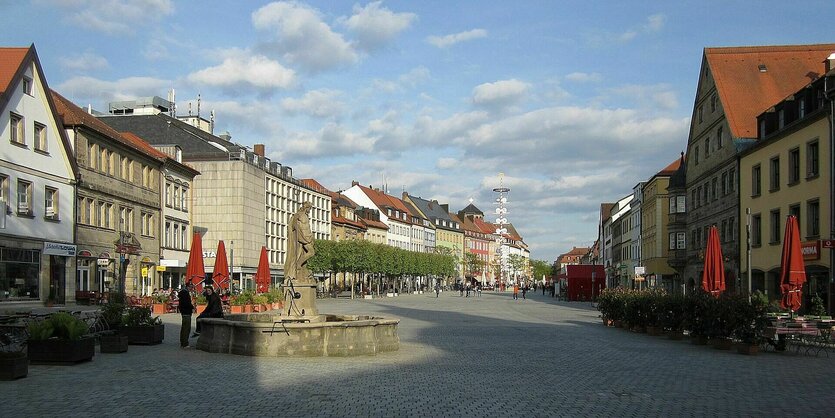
(271, 334)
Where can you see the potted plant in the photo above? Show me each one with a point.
(113, 341)
(141, 327)
(654, 305)
(276, 298)
(696, 318)
(236, 304)
(726, 319)
(14, 363)
(246, 298)
(200, 303)
(607, 305)
(752, 324)
(159, 304)
(671, 316)
(259, 302)
(60, 339)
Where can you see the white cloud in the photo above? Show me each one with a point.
(88, 89)
(322, 103)
(653, 97)
(374, 25)
(237, 117)
(241, 70)
(579, 77)
(330, 141)
(299, 36)
(410, 79)
(452, 39)
(654, 23)
(112, 17)
(86, 62)
(500, 94)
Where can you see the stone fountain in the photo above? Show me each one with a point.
(299, 329)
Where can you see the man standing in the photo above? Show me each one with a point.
(186, 309)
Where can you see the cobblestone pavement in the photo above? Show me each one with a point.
(477, 356)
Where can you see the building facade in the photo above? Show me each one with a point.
(655, 240)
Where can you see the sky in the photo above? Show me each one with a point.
(575, 102)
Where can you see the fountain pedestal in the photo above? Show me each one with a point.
(305, 305)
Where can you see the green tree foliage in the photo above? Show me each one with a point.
(540, 268)
(472, 263)
(363, 257)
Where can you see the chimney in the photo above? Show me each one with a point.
(446, 207)
(355, 183)
(405, 195)
(226, 136)
(259, 149)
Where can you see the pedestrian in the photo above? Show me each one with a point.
(437, 289)
(468, 289)
(516, 291)
(461, 289)
(524, 290)
(478, 289)
(543, 289)
(186, 309)
(214, 308)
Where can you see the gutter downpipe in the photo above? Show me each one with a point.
(828, 94)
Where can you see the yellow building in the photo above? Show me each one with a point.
(655, 239)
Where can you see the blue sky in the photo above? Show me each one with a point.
(574, 101)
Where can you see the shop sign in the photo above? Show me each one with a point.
(102, 262)
(55, 248)
(811, 250)
(209, 254)
(160, 268)
(828, 243)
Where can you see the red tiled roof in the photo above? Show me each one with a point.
(141, 145)
(745, 91)
(346, 221)
(315, 185)
(384, 201)
(670, 169)
(373, 223)
(485, 227)
(10, 60)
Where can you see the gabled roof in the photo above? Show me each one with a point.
(606, 211)
(346, 221)
(161, 129)
(13, 64)
(484, 227)
(433, 210)
(472, 209)
(384, 201)
(75, 116)
(746, 91)
(315, 185)
(374, 224)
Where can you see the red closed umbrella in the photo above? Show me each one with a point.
(220, 273)
(195, 272)
(793, 269)
(262, 275)
(713, 276)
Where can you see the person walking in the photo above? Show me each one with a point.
(516, 291)
(437, 289)
(186, 309)
(524, 290)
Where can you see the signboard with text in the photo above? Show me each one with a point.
(811, 250)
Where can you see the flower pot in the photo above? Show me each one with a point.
(748, 349)
(248, 308)
(200, 309)
(158, 308)
(235, 309)
(54, 351)
(266, 307)
(144, 334)
(13, 365)
(276, 306)
(113, 343)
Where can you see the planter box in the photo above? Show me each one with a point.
(277, 306)
(200, 309)
(748, 349)
(13, 365)
(236, 309)
(145, 335)
(722, 343)
(675, 335)
(61, 351)
(158, 308)
(698, 339)
(113, 343)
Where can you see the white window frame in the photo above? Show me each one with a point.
(40, 138)
(50, 203)
(17, 130)
(24, 200)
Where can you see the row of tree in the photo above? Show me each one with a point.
(364, 257)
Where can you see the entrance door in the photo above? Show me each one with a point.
(102, 279)
(82, 276)
(57, 281)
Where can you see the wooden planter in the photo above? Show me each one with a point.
(200, 309)
(113, 343)
(236, 309)
(144, 335)
(158, 308)
(13, 365)
(248, 309)
(55, 351)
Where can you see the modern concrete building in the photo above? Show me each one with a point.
(119, 205)
(655, 240)
(735, 85)
(37, 186)
(241, 197)
(788, 172)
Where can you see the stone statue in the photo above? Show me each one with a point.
(299, 245)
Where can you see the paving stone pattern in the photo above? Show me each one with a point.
(476, 356)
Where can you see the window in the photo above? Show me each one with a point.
(126, 219)
(794, 210)
(781, 119)
(801, 108)
(105, 159)
(731, 180)
(680, 205)
(50, 203)
(713, 188)
(16, 129)
(108, 216)
(762, 128)
(756, 183)
(27, 85)
(719, 138)
(4, 193)
(146, 176)
(102, 214)
(756, 230)
(113, 164)
(147, 224)
(813, 218)
(794, 165)
(722, 234)
(812, 167)
(724, 184)
(706, 189)
(707, 148)
(681, 240)
(713, 103)
(696, 154)
(701, 112)
(168, 194)
(184, 200)
(176, 196)
(40, 137)
(774, 237)
(125, 169)
(774, 179)
(88, 211)
(24, 197)
(92, 156)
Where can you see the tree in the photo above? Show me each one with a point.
(540, 268)
(473, 263)
(516, 263)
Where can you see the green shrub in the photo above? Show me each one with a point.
(697, 312)
(139, 316)
(816, 307)
(671, 312)
(112, 313)
(61, 325)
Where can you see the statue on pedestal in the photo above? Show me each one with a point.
(299, 246)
